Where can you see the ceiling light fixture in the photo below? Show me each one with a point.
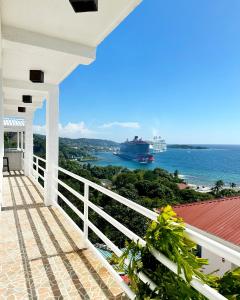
(37, 76)
(27, 99)
(21, 109)
(84, 5)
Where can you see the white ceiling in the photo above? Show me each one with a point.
(19, 60)
(48, 35)
(57, 18)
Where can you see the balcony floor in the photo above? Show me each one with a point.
(41, 254)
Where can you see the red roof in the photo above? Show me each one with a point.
(182, 186)
(220, 217)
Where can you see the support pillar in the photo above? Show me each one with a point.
(22, 140)
(18, 142)
(52, 145)
(28, 155)
(1, 122)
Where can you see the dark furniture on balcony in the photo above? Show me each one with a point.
(6, 164)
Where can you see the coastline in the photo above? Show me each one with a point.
(199, 167)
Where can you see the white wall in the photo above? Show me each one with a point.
(215, 262)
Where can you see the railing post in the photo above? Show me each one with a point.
(86, 199)
(1, 119)
(37, 162)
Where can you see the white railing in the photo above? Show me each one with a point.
(215, 247)
(35, 171)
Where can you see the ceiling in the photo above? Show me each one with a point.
(48, 35)
(57, 18)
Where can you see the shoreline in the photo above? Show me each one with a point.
(210, 170)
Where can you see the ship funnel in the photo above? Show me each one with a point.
(135, 138)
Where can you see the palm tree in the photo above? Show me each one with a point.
(218, 186)
(232, 185)
(176, 173)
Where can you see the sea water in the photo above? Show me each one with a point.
(201, 167)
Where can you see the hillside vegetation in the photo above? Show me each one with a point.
(150, 188)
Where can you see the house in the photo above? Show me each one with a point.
(218, 219)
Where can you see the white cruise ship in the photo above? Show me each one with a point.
(158, 145)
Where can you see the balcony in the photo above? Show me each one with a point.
(44, 254)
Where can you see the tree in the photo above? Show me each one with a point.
(232, 185)
(219, 184)
(176, 173)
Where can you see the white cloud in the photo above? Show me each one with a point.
(39, 129)
(134, 125)
(71, 130)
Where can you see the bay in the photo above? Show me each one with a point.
(201, 167)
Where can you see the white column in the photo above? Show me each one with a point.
(21, 140)
(18, 140)
(1, 121)
(28, 155)
(52, 144)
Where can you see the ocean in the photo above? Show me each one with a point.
(200, 167)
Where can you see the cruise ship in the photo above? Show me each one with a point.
(158, 145)
(136, 150)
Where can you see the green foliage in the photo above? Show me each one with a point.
(10, 140)
(220, 192)
(232, 185)
(228, 193)
(176, 173)
(229, 284)
(166, 235)
(219, 184)
(189, 196)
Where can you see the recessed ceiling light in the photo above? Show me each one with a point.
(37, 76)
(21, 109)
(27, 99)
(84, 5)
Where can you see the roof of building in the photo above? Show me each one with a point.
(220, 217)
(182, 186)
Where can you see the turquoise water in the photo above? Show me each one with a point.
(202, 167)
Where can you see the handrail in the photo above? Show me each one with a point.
(204, 289)
(40, 158)
(35, 172)
(222, 250)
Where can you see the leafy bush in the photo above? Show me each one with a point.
(229, 284)
(166, 235)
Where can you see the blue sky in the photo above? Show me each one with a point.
(171, 68)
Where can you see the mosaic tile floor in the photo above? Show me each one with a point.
(41, 255)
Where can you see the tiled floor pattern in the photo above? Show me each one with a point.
(41, 255)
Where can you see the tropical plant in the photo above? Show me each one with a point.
(232, 185)
(176, 173)
(166, 235)
(229, 284)
(219, 184)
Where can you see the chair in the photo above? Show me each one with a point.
(6, 163)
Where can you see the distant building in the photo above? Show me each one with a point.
(218, 219)
(183, 186)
